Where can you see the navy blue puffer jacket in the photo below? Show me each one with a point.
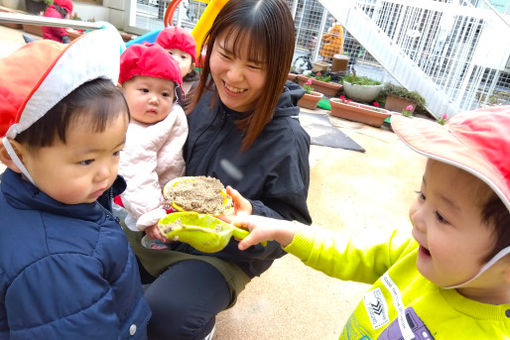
(66, 271)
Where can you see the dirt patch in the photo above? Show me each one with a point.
(202, 194)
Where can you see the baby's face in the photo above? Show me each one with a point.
(447, 223)
(80, 170)
(149, 99)
(184, 60)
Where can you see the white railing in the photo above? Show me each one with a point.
(462, 50)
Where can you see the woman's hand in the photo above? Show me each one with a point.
(264, 229)
(153, 232)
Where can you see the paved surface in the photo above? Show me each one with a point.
(362, 195)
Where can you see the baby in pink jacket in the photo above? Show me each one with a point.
(152, 155)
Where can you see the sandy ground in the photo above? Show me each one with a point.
(362, 195)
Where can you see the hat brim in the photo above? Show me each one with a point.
(437, 142)
(93, 55)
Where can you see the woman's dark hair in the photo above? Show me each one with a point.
(99, 100)
(495, 213)
(270, 27)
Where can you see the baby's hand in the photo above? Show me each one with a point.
(264, 229)
(153, 232)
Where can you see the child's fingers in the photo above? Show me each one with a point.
(241, 205)
(247, 242)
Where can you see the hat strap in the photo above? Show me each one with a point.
(502, 253)
(16, 160)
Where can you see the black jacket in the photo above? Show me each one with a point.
(274, 173)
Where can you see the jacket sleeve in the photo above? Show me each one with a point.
(335, 256)
(76, 303)
(143, 197)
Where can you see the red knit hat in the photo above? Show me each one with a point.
(149, 60)
(38, 75)
(65, 4)
(179, 38)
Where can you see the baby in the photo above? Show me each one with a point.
(182, 47)
(157, 132)
(451, 280)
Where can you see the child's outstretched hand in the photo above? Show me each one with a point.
(153, 232)
(242, 206)
(264, 229)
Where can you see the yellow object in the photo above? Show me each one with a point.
(334, 42)
(205, 22)
(227, 200)
(203, 232)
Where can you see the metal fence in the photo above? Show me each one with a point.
(461, 46)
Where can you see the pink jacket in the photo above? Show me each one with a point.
(151, 157)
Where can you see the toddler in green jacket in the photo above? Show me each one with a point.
(451, 279)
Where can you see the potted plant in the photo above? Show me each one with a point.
(399, 99)
(311, 98)
(322, 83)
(362, 89)
(357, 112)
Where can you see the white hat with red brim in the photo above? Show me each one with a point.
(40, 74)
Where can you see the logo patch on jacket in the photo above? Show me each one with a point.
(376, 307)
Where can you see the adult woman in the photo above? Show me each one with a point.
(243, 131)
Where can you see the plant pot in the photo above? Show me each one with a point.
(362, 93)
(329, 89)
(357, 112)
(398, 104)
(292, 76)
(310, 101)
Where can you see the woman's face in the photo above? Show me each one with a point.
(239, 79)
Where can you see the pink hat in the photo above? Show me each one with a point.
(65, 4)
(179, 38)
(38, 75)
(476, 141)
(148, 60)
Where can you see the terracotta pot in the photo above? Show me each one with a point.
(397, 104)
(310, 101)
(329, 89)
(292, 76)
(357, 112)
(362, 93)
